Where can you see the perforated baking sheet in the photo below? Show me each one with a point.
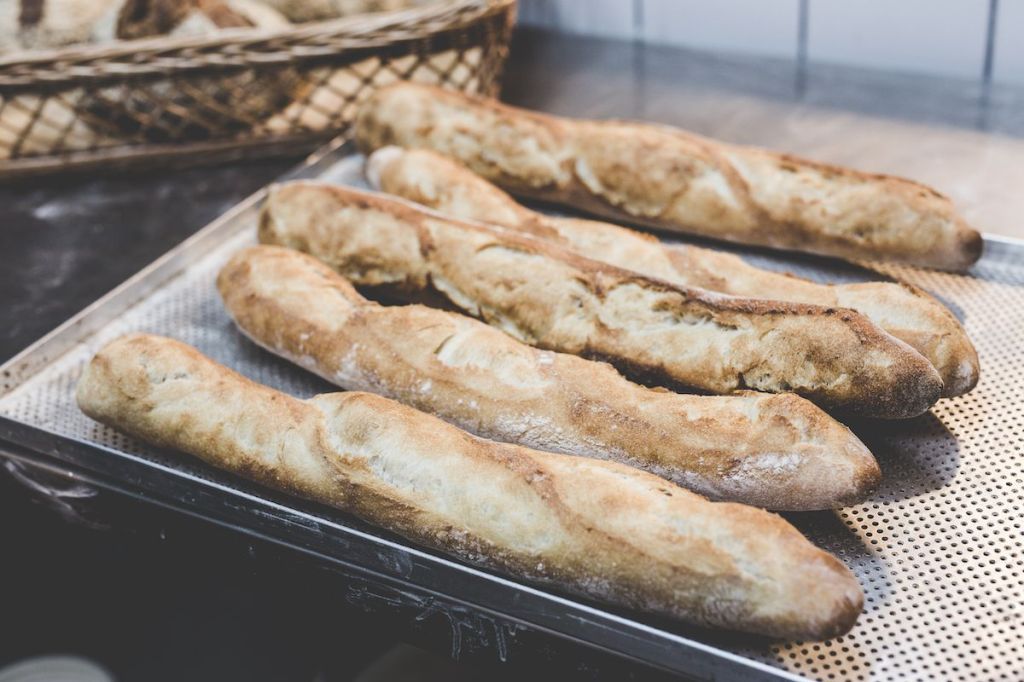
(937, 548)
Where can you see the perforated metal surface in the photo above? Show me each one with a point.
(937, 549)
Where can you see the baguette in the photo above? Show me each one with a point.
(906, 312)
(668, 179)
(49, 24)
(774, 451)
(550, 297)
(596, 528)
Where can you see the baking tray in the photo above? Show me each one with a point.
(937, 548)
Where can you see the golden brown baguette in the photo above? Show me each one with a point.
(906, 312)
(665, 178)
(553, 298)
(596, 528)
(774, 451)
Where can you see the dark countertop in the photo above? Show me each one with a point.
(64, 242)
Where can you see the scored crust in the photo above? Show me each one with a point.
(906, 312)
(665, 178)
(595, 528)
(551, 297)
(774, 451)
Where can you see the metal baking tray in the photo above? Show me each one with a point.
(938, 549)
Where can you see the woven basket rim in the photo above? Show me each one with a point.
(368, 30)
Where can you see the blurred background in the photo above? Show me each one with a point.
(980, 40)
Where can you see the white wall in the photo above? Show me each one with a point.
(747, 26)
(1009, 55)
(944, 37)
(938, 37)
(607, 18)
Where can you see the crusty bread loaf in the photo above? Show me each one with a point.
(597, 528)
(554, 298)
(134, 19)
(906, 312)
(319, 10)
(774, 451)
(665, 178)
(42, 24)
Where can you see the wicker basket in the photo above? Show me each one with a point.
(239, 94)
